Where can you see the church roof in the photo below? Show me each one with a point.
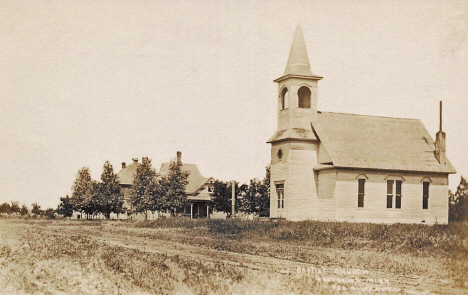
(293, 133)
(298, 62)
(196, 180)
(371, 142)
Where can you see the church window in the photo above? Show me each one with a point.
(398, 194)
(389, 193)
(284, 99)
(280, 154)
(280, 193)
(394, 185)
(304, 97)
(361, 184)
(425, 195)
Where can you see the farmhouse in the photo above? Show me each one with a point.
(198, 190)
(347, 167)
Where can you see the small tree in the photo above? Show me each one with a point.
(172, 187)
(82, 192)
(143, 187)
(15, 208)
(24, 210)
(5, 208)
(222, 196)
(458, 202)
(36, 209)
(50, 213)
(65, 208)
(110, 197)
(264, 195)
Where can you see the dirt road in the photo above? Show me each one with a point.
(339, 279)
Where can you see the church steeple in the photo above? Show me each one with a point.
(297, 92)
(298, 61)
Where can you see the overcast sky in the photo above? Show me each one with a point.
(82, 82)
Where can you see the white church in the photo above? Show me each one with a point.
(346, 167)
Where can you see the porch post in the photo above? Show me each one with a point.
(207, 211)
(191, 210)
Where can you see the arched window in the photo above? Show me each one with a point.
(284, 99)
(304, 97)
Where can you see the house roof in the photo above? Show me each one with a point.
(196, 180)
(370, 142)
(126, 174)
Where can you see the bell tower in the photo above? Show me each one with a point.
(297, 88)
(294, 145)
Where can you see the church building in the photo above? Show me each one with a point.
(346, 167)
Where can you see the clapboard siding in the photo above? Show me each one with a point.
(375, 200)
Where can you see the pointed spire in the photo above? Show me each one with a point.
(298, 62)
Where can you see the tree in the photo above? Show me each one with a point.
(172, 187)
(255, 197)
(142, 196)
(264, 198)
(65, 207)
(36, 209)
(24, 210)
(15, 208)
(458, 202)
(5, 208)
(83, 191)
(222, 196)
(50, 213)
(110, 197)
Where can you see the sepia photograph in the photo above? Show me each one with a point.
(233, 147)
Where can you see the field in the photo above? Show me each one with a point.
(183, 256)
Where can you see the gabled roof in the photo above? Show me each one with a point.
(196, 180)
(370, 142)
(126, 174)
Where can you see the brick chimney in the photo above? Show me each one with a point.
(179, 158)
(135, 160)
(440, 141)
(124, 165)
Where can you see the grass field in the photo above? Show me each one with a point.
(183, 256)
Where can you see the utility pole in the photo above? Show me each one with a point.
(233, 199)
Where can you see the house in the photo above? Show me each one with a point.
(347, 167)
(198, 190)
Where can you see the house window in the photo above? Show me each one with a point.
(361, 183)
(390, 184)
(425, 195)
(304, 97)
(284, 99)
(210, 186)
(280, 194)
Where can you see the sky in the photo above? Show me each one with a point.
(84, 82)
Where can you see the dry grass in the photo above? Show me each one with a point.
(35, 259)
(61, 257)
